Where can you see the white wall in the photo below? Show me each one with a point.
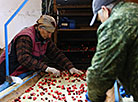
(26, 17)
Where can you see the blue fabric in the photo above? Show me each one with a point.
(23, 75)
(4, 86)
(123, 92)
(87, 98)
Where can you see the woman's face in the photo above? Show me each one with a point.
(43, 32)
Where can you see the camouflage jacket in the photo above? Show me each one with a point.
(116, 54)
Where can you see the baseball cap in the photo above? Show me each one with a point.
(47, 21)
(96, 6)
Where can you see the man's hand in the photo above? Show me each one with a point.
(76, 71)
(53, 71)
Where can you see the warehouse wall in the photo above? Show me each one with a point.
(26, 17)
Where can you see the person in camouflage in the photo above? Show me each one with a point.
(116, 54)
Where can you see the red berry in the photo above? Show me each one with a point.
(69, 93)
(24, 97)
(34, 98)
(59, 93)
(56, 91)
(29, 97)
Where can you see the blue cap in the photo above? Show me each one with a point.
(96, 6)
